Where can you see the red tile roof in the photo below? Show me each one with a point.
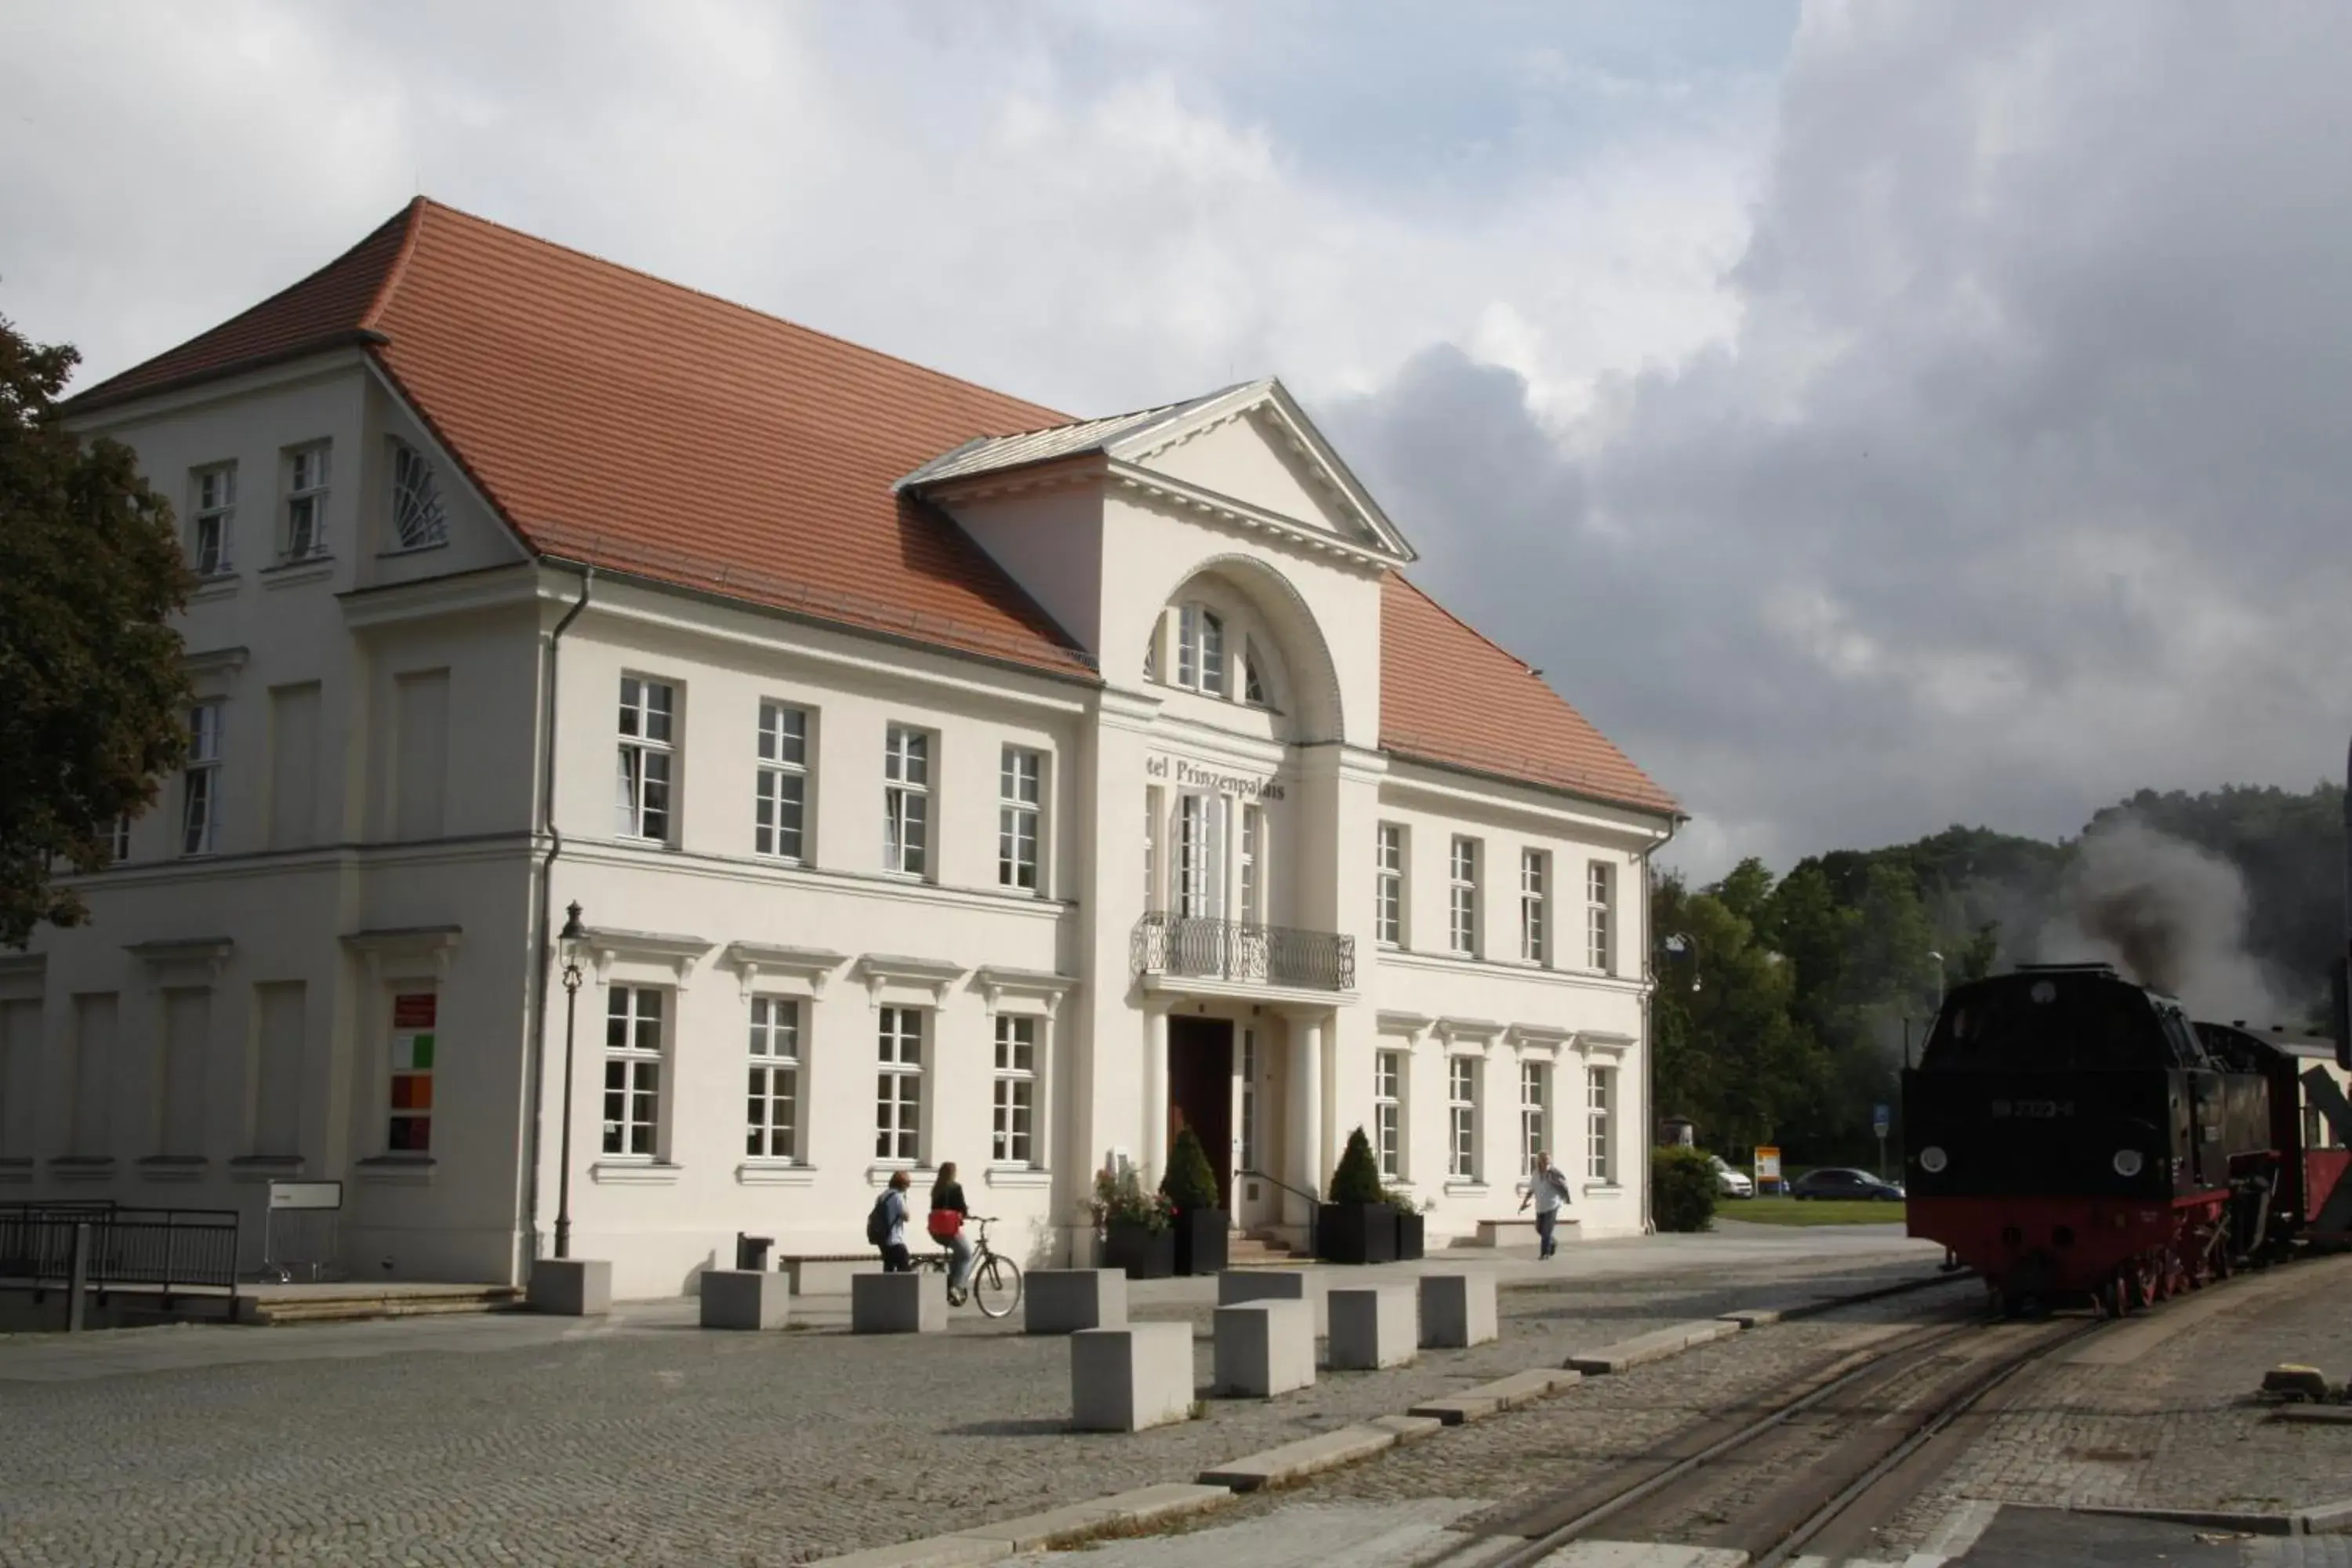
(618, 420)
(1449, 695)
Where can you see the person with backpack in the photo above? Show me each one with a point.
(886, 1226)
(949, 1211)
(1548, 1190)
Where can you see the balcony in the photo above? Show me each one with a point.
(1228, 950)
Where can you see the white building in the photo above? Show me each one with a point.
(966, 783)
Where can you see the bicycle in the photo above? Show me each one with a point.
(995, 1281)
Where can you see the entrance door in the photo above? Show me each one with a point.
(1201, 1092)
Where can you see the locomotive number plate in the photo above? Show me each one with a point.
(2033, 1109)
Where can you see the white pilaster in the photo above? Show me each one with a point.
(1155, 1092)
(1306, 1132)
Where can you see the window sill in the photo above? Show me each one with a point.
(1465, 1189)
(16, 1168)
(1017, 1177)
(308, 569)
(264, 1167)
(396, 554)
(755, 1173)
(1602, 1189)
(82, 1168)
(395, 1170)
(173, 1167)
(878, 1175)
(219, 585)
(634, 1174)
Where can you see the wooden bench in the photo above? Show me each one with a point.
(1519, 1230)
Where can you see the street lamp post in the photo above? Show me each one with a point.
(1939, 979)
(573, 938)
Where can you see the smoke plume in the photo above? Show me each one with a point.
(2166, 914)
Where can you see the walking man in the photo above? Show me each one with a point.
(1548, 1190)
(885, 1227)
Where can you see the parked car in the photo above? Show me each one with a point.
(1731, 1183)
(1838, 1181)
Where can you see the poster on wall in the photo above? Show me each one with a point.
(1768, 1168)
(414, 1020)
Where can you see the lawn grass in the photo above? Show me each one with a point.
(1809, 1211)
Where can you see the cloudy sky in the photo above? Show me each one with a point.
(1873, 416)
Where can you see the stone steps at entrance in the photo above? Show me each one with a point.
(1259, 1250)
(281, 1304)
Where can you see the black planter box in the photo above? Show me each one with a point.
(1411, 1226)
(1355, 1233)
(1201, 1241)
(1141, 1254)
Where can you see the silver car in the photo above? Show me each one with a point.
(1729, 1183)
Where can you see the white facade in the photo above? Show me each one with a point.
(1240, 911)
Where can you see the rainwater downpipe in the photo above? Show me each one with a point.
(1650, 1019)
(544, 918)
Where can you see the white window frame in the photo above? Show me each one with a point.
(1462, 895)
(779, 786)
(900, 1067)
(1253, 859)
(1200, 889)
(200, 792)
(1390, 1068)
(212, 520)
(1154, 800)
(1534, 898)
(1390, 862)
(1013, 1129)
(1599, 944)
(309, 471)
(1021, 819)
(1535, 1115)
(1600, 1124)
(1462, 1117)
(118, 840)
(641, 1068)
(648, 760)
(1250, 1107)
(1254, 689)
(906, 801)
(1200, 656)
(775, 1080)
(418, 514)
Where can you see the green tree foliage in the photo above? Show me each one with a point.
(1681, 1188)
(90, 573)
(1190, 1183)
(1731, 1055)
(1357, 1179)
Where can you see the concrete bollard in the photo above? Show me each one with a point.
(1458, 1310)
(571, 1286)
(1374, 1326)
(1238, 1286)
(1264, 1348)
(1063, 1300)
(745, 1298)
(1125, 1380)
(897, 1304)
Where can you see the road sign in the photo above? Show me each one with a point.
(1882, 1120)
(306, 1194)
(1767, 1164)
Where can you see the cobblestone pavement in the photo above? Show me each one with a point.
(654, 1443)
(2176, 1428)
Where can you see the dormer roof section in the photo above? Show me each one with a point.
(1247, 452)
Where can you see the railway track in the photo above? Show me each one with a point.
(1813, 1472)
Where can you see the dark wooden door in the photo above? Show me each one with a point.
(1200, 1093)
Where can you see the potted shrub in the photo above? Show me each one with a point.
(1411, 1226)
(1199, 1226)
(1136, 1237)
(1681, 1188)
(1356, 1227)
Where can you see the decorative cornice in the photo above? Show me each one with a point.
(997, 982)
(1602, 1042)
(681, 954)
(1226, 510)
(1412, 1025)
(199, 959)
(1467, 1031)
(1538, 1038)
(23, 976)
(931, 976)
(810, 965)
(412, 950)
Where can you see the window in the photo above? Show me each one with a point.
(118, 839)
(1598, 1164)
(1534, 1095)
(1253, 684)
(1531, 905)
(1020, 775)
(1017, 1090)
(782, 782)
(306, 502)
(1388, 1112)
(409, 1122)
(1466, 896)
(211, 534)
(1151, 899)
(1462, 1111)
(773, 1113)
(898, 1088)
(1252, 878)
(418, 519)
(1249, 1100)
(647, 707)
(906, 801)
(1388, 915)
(1200, 856)
(1599, 954)
(1200, 651)
(200, 801)
(632, 1064)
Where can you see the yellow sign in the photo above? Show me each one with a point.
(1767, 1164)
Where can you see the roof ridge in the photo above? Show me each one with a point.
(1431, 601)
(673, 286)
(392, 275)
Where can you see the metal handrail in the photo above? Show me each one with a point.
(1193, 945)
(1314, 1201)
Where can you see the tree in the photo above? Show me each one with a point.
(90, 573)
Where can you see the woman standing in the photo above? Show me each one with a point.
(948, 1212)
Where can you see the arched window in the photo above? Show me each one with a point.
(1256, 690)
(1201, 650)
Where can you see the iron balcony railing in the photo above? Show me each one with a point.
(1229, 950)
